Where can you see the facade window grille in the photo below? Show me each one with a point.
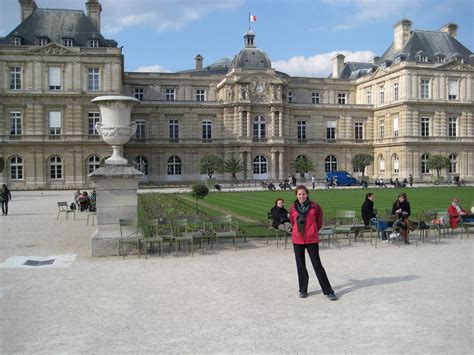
(301, 128)
(315, 98)
(358, 130)
(395, 126)
(452, 126)
(15, 123)
(331, 130)
(290, 97)
(382, 95)
(259, 127)
(16, 168)
(424, 164)
(174, 130)
(138, 93)
(425, 126)
(453, 163)
(260, 165)
(369, 97)
(54, 123)
(330, 163)
(92, 119)
(141, 164)
(174, 165)
(424, 89)
(341, 99)
(15, 78)
(93, 163)
(54, 78)
(93, 79)
(55, 167)
(200, 95)
(140, 132)
(382, 129)
(206, 130)
(395, 91)
(170, 94)
(452, 89)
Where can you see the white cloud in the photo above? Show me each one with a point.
(319, 65)
(152, 69)
(356, 12)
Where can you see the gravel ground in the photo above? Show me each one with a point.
(393, 299)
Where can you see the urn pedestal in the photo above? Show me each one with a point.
(117, 182)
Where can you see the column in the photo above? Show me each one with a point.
(273, 172)
(249, 125)
(281, 173)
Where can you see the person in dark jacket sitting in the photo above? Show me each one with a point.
(401, 207)
(280, 216)
(367, 209)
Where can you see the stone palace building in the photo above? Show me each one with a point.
(413, 101)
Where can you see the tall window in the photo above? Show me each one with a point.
(93, 163)
(452, 89)
(425, 89)
(54, 123)
(16, 168)
(382, 129)
(395, 126)
(139, 93)
(330, 163)
(315, 98)
(174, 165)
(260, 165)
(358, 130)
(170, 94)
(381, 164)
(200, 95)
(54, 78)
(206, 130)
(92, 119)
(395, 91)
(15, 78)
(341, 99)
(425, 126)
(369, 97)
(395, 164)
(55, 167)
(93, 79)
(331, 130)
(453, 162)
(259, 128)
(140, 132)
(15, 123)
(382, 94)
(141, 164)
(290, 97)
(424, 164)
(174, 130)
(301, 127)
(452, 126)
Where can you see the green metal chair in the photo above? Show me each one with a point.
(275, 231)
(63, 207)
(130, 233)
(151, 236)
(345, 221)
(223, 227)
(425, 225)
(197, 228)
(181, 235)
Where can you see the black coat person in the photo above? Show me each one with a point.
(367, 209)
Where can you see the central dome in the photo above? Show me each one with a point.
(251, 57)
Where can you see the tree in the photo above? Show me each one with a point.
(302, 165)
(437, 162)
(211, 164)
(361, 161)
(233, 166)
(200, 191)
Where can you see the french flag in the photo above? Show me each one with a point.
(252, 18)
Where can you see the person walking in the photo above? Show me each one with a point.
(401, 207)
(5, 196)
(306, 218)
(313, 181)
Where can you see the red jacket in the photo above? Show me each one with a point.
(314, 222)
(454, 216)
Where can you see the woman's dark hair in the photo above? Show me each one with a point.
(368, 194)
(301, 187)
(397, 201)
(278, 199)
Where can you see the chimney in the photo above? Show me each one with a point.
(401, 33)
(198, 59)
(27, 8)
(450, 28)
(93, 12)
(337, 65)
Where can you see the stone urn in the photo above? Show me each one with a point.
(116, 127)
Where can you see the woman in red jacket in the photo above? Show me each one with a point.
(306, 217)
(455, 213)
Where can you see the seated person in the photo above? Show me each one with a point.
(280, 216)
(401, 208)
(84, 201)
(218, 187)
(457, 214)
(368, 214)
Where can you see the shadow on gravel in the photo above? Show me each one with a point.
(353, 285)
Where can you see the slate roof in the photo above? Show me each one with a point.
(252, 58)
(430, 43)
(220, 67)
(354, 70)
(57, 24)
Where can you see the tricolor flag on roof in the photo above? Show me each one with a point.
(252, 18)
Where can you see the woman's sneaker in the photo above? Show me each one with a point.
(332, 297)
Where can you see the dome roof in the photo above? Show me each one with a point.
(251, 57)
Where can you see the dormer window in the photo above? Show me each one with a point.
(420, 57)
(93, 43)
(16, 41)
(68, 42)
(42, 41)
(439, 57)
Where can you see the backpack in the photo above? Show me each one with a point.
(73, 206)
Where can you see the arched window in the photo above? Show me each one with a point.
(259, 127)
(174, 165)
(16, 168)
(260, 165)
(381, 162)
(453, 163)
(330, 163)
(395, 164)
(141, 164)
(424, 163)
(55, 167)
(93, 163)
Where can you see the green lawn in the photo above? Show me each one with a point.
(257, 204)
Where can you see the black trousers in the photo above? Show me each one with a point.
(5, 207)
(303, 277)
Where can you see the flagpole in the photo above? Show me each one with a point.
(249, 21)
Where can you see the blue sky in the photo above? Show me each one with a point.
(300, 36)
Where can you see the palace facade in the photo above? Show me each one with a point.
(413, 101)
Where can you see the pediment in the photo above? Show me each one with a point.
(53, 49)
(379, 73)
(455, 65)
